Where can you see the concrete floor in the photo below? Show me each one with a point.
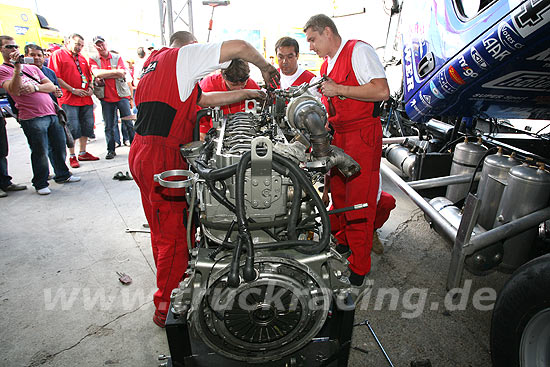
(62, 304)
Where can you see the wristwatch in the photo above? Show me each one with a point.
(72, 90)
(36, 88)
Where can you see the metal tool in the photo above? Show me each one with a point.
(367, 323)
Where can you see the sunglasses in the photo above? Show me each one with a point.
(11, 46)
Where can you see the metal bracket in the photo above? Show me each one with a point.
(458, 255)
(262, 190)
(180, 184)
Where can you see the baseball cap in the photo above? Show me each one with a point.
(98, 39)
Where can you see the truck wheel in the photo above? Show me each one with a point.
(520, 328)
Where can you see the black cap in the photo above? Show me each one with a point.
(97, 39)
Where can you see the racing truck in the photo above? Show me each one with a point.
(468, 141)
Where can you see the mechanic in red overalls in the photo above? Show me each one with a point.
(167, 97)
(236, 76)
(287, 51)
(357, 79)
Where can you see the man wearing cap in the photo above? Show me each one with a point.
(112, 89)
(75, 79)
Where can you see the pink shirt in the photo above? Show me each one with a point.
(36, 104)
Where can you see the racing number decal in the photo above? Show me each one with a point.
(531, 13)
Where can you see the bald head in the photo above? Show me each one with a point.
(182, 38)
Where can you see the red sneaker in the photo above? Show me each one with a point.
(87, 157)
(74, 162)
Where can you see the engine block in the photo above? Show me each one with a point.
(264, 279)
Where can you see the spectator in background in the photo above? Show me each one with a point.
(112, 89)
(29, 88)
(37, 53)
(288, 51)
(5, 179)
(235, 77)
(73, 74)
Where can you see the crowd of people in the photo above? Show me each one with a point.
(176, 81)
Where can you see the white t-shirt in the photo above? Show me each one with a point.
(287, 80)
(194, 62)
(364, 61)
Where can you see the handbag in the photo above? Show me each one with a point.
(62, 117)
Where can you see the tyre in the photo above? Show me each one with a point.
(520, 327)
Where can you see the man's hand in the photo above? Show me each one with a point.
(26, 89)
(256, 94)
(58, 92)
(325, 198)
(329, 88)
(271, 76)
(79, 92)
(88, 92)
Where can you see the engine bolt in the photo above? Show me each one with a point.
(254, 182)
(267, 182)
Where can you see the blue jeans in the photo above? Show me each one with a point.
(46, 137)
(5, 179)
(109, 110)
(80, 120)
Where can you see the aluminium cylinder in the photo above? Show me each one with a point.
(402, 158)
(451, 213)
(527, 190)
(491, 186)
(465, 159)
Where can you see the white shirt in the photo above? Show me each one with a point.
(364, 61)
(194, 62)
(287, 80)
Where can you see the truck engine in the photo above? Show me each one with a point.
(264, 283)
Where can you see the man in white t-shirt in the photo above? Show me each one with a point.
(167, 97)
(287, 51)
(356, 82)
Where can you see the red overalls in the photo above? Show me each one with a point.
(163, 124)
(305, 77)
(216, 83)
(359, 135)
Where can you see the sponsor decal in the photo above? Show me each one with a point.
(509, 37)
(468, 71)
(495, 49)
(409, 81)
(531, 81)
(415, 107)
(151, 67)
(426, 98)
(497, 97)
(542, 56)
(531, 16)
(478, 59)
(445, 84)
(24, 17)
(454, 76)
(436, 91)
(21, 30)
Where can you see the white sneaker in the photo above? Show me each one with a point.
(44, 191)
(72, 178)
